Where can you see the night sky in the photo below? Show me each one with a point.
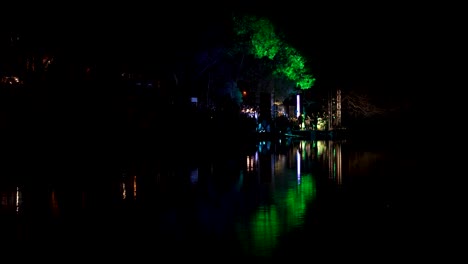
(368, 47)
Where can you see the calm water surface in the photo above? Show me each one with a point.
(264, 200)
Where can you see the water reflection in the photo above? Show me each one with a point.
(12, 199)
(128, 186)
(246, 202)
(287, 192)
(329, 153)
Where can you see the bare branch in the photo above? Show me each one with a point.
(360, 105)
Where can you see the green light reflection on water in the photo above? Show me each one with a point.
(282, 215)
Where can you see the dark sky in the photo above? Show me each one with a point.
(349, 45)
(354, 45)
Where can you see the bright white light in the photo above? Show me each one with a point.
(298, 106)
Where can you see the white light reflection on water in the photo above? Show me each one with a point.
(124, 191)
(123, 186)
(19, 199)
(12, 199)
(298, 170)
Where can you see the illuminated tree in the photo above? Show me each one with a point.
(255, 57)
(258, 37)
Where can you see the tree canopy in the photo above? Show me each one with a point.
(259, 37)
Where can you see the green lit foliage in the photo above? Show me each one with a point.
(265, 43)
(293, 66)
(258, 37)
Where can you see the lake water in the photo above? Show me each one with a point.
(262, 200)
